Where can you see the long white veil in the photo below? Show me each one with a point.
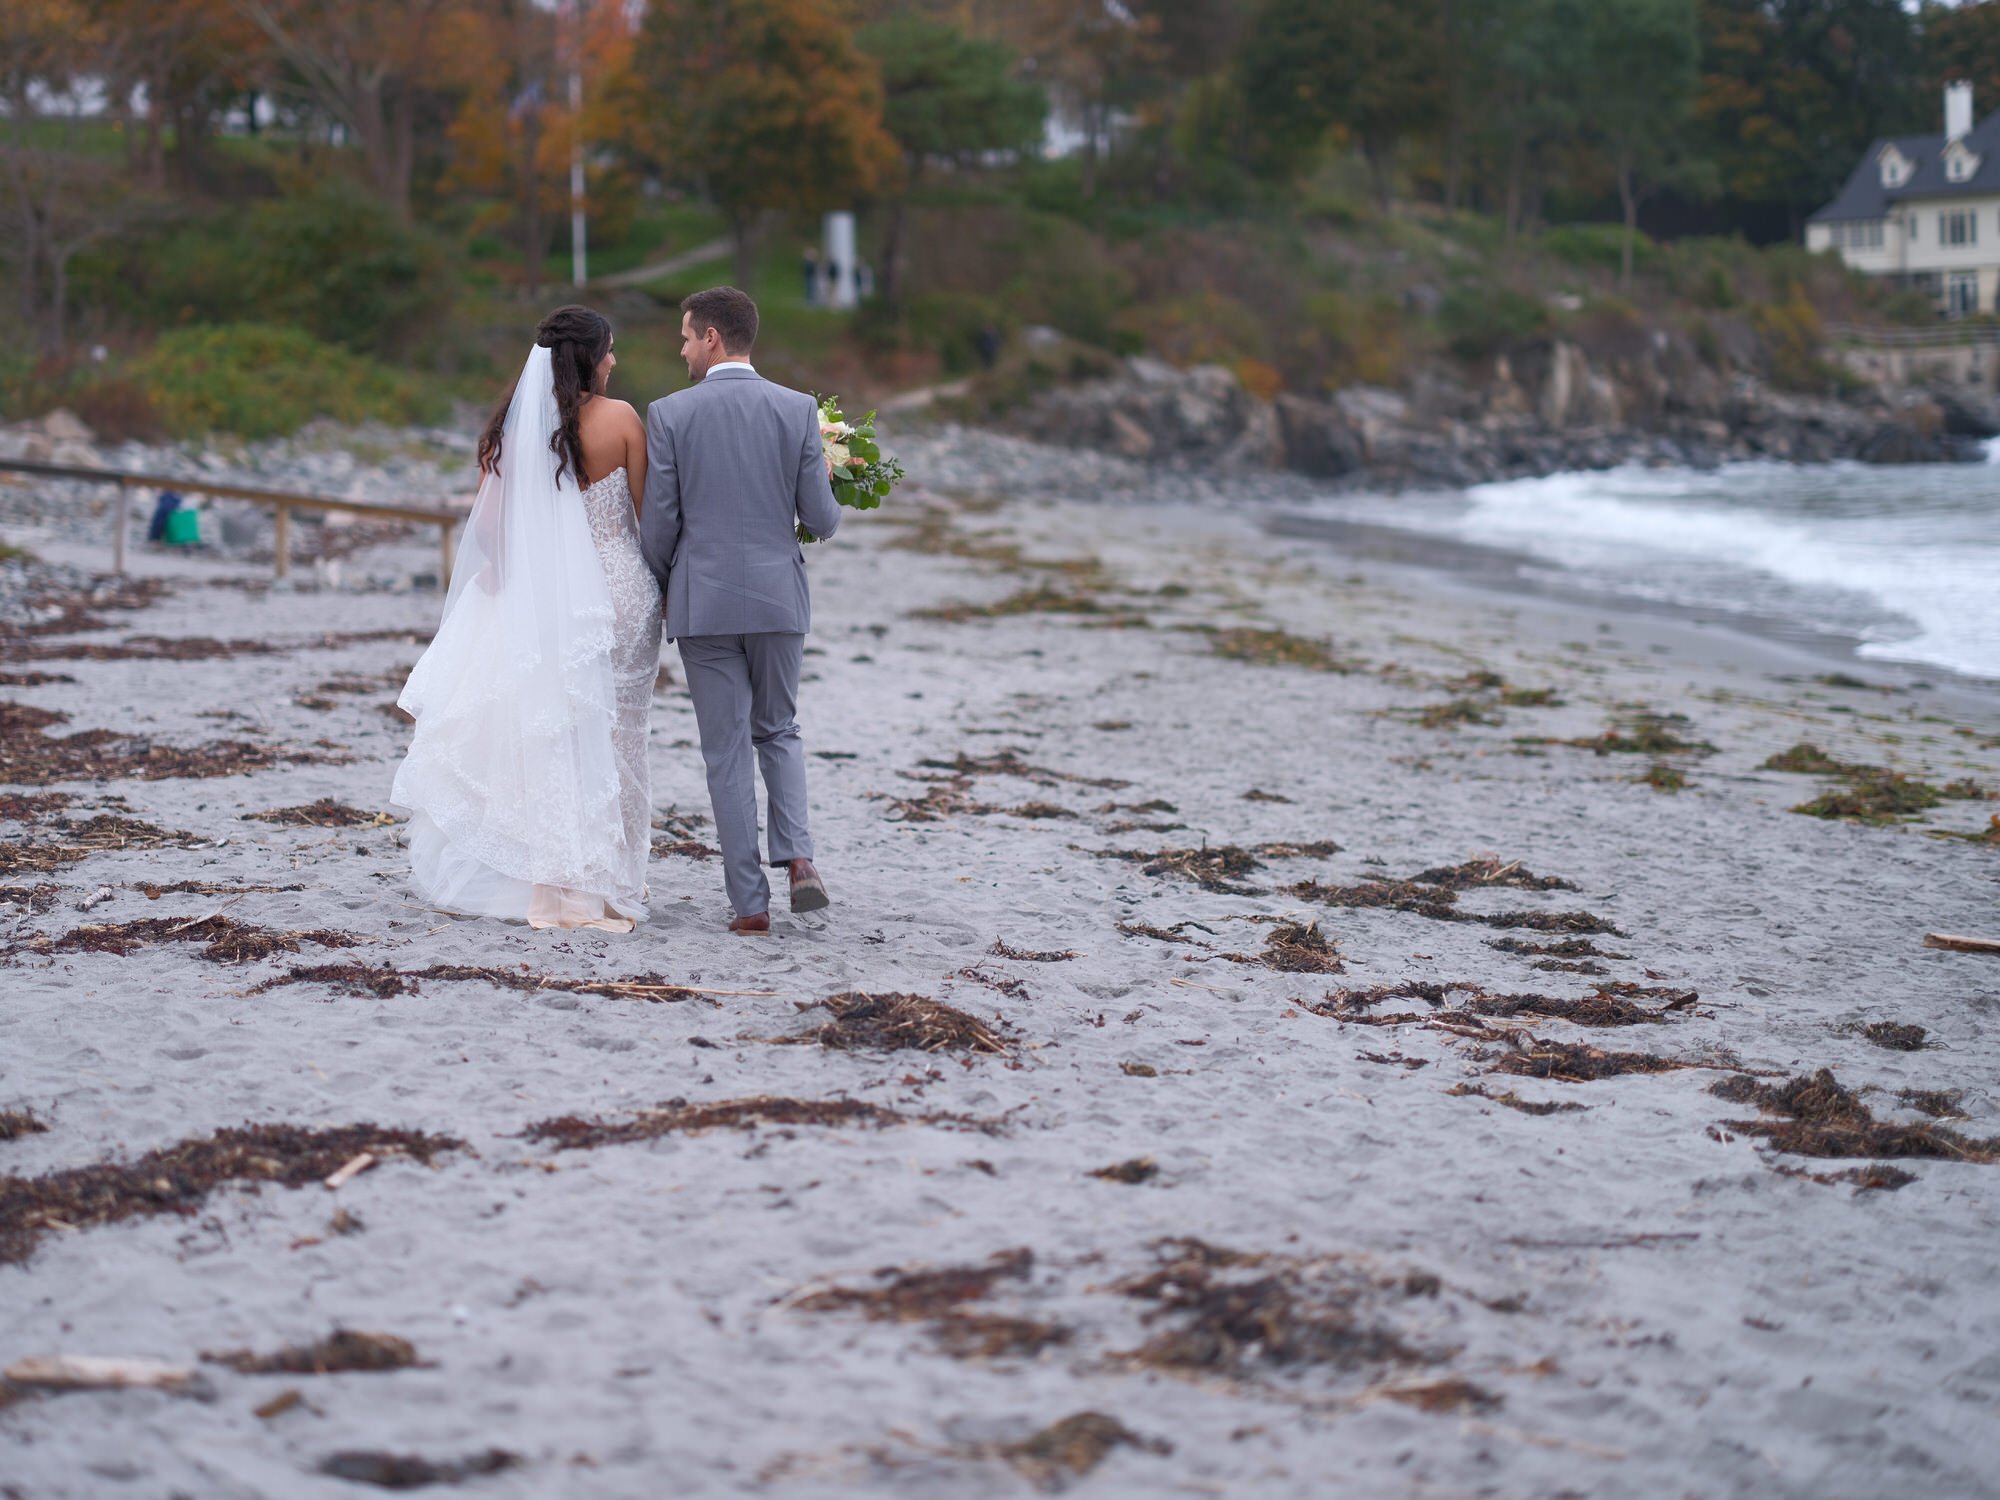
(511, 776)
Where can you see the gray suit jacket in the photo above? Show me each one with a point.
(733, 465)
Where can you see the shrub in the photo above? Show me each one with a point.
(260, 381)
(1791, 333)
(333, 259)
(1600, 246)
(1206, 327)
(1481, 318)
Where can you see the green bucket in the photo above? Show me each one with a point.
(183, 528)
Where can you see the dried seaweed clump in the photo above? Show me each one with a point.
(1575, 1062)
(404, 1471)
(1003, 949)
(1071, 1448)
(33, 899)
(1216, 867)
(937, 1296)
(29, 756)
(678, 1117)
(1873, 794)
(1514, 1101)
(1641, 732)
(77, 839)
(1009, 763)
(1440, 904)
(1295, 948)
(228, 941)
(325, 813)
(1466, 1004)
(176, 1179)
(908, 1294)
(1232, 1314)
(386, 983)
(1562, 948)
(1895, 1036)
(1825, 1120)
(15, 1123)
(1278, 648)
(891, 1022)
(1487, 870)
(1133, 1172)
(342, 1351)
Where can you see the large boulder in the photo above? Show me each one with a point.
(1316, 438)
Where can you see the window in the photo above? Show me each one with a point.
(1959, 227)
(1961, 293)
(1859, 235)
(1913, 228)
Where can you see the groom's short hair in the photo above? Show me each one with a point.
(729, 312)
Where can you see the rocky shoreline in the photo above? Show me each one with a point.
(1545, 409)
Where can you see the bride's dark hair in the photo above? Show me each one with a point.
(577, 340)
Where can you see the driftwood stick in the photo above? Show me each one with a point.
(87, 1372)
(352, 1170)
(1957, 944)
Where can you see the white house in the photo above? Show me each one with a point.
(1925, 211)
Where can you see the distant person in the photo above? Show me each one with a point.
(832, 297)
(736, 465)
(526, 777)
(811, 271)
(986, 344)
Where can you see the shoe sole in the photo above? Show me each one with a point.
(811, 898)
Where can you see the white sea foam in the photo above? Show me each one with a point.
(1905, 559)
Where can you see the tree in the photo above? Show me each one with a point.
(1793, 91)
(372, 65)
(1637, 88)
(1962, 44)
(61, 199)
(1372, 67)
(946, 97)
(189, 58)
(1088, 51)
(768, 103)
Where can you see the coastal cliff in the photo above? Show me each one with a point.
(1542, 408)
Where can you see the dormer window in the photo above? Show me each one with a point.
(1959, 162)
(1896, 167)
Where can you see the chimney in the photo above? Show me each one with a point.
(1957, 111)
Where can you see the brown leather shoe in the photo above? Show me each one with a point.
(808, 890)
(758, 921)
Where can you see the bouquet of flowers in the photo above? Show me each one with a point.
(861, 476)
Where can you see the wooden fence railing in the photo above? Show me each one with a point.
(1944, 336)
(283, 502)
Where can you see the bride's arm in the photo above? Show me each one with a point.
(635, 459)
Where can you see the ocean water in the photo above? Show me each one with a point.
(1906, 559)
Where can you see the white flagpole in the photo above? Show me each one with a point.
(579, 266)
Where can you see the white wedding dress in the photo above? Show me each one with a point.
(526, 779)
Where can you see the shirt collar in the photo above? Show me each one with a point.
(733, 364)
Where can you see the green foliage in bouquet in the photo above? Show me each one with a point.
(861, 477)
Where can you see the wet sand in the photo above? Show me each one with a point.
(1438, 1286)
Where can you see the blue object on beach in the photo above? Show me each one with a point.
(166, 505)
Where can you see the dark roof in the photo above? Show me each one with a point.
(1864, 197)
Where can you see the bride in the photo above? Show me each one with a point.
(527, 778)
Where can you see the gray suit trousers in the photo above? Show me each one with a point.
(745, 690)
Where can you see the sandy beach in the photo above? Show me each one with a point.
(1441, 974)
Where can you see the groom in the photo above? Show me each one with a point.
(734, 465)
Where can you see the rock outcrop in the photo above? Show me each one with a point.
(1538, 409)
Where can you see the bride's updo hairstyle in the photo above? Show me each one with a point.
(577, 340)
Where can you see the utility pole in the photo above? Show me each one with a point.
(579, 259)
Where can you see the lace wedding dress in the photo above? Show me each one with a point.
(526, 778)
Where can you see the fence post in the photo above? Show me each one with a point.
(283, 542)
(445, 551)
(121, 522)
